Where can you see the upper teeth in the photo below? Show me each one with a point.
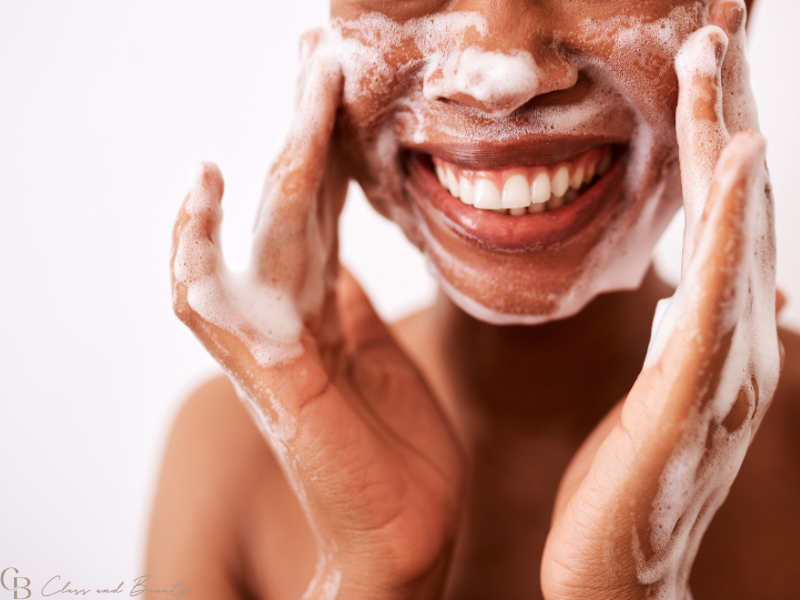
(522, 190)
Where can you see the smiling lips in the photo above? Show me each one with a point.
(524, 190)
(519, 208)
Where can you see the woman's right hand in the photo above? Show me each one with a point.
(356, 429)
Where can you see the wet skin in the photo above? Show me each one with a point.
(393, 510)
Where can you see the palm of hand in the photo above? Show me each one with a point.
(387, 473)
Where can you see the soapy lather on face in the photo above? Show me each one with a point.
(453, 55)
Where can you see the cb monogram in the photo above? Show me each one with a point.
(17, 587)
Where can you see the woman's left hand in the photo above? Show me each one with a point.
(638, 497)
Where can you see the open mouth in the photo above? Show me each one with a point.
(519, 191)
(519, 208)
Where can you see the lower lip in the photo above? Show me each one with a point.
(509, 233)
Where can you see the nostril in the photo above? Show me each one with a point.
(573, 94)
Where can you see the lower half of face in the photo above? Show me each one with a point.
(525, 215)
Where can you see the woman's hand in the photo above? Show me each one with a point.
(636, 500)
(356, 429)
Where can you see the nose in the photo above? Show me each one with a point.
(509, 65)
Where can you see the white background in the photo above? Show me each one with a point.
(104, 109)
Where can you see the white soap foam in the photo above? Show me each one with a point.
(326, 577)
(658, 338)
(361, 44)
(261, 317)
(697, 58)
(330, 588)
(501, 82)
(705, 462)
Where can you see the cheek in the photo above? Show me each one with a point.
(636, 55)
(377, 76)
(377, 56)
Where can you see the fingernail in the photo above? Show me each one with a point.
(719, 46)
(735, 17)
(719, 52)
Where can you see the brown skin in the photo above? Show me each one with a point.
(531, 282)
(226, 522)
(382, 474)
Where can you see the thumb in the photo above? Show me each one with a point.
(362, 327)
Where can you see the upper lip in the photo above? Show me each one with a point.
(526, 151)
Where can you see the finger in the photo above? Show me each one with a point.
(294, 232)
(691, 345)
(221, 310)
(362, 326)
(275, 374)
(739, 106)
(195, 259)
(699, 119)
(691, 415)
(679, 405)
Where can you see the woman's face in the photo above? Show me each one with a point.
(527, 148)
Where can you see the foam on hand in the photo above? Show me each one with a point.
(703, 465)
(699, 58)
(261, 317)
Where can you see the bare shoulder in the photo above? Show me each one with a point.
(784, 414)
(786, 403)
(751, 550)
(790, 378)
(223, 515)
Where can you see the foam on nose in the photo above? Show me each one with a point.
(500, 82)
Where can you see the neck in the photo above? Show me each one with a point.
(523, 399)
(567, 373)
